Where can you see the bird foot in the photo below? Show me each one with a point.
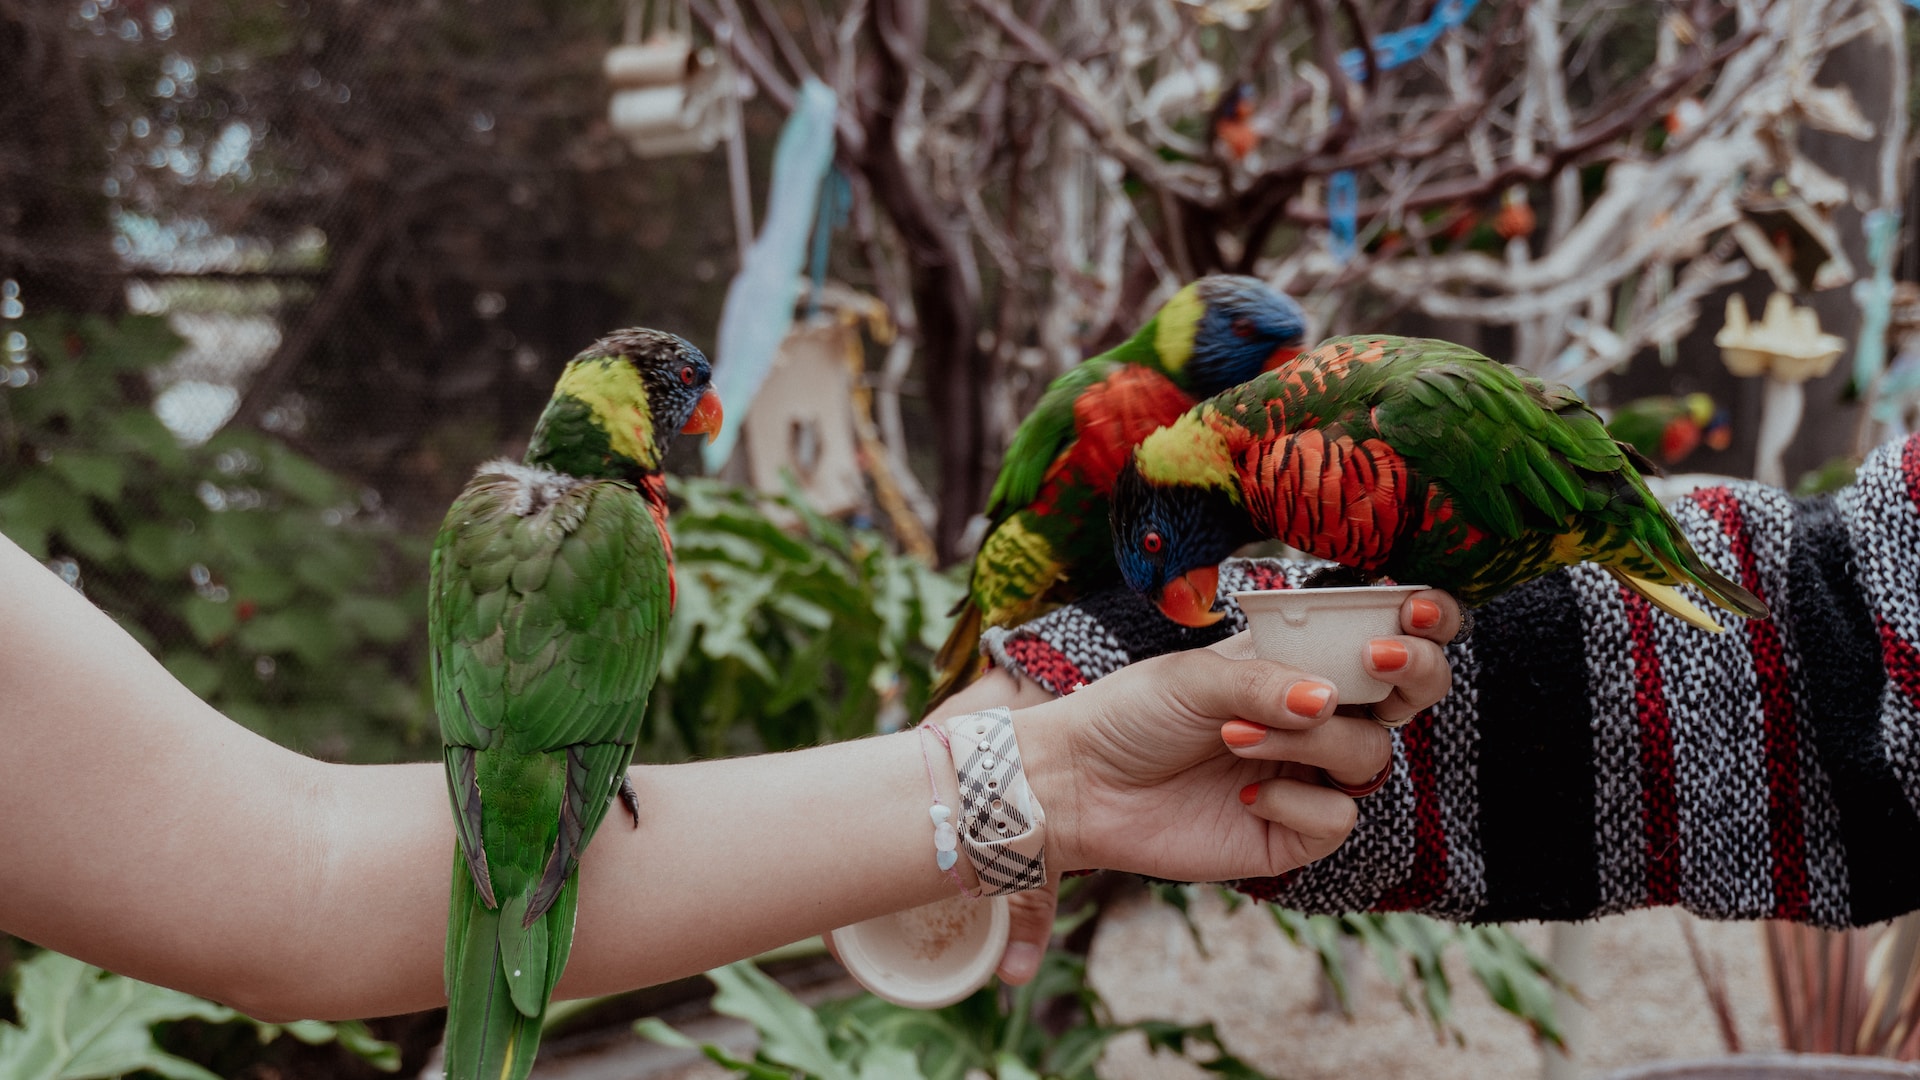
(630, 799)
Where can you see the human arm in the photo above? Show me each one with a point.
(146, 833)
(1595, 755)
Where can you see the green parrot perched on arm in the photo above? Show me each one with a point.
(1044, 544)
(551, 585)
(1402, 457)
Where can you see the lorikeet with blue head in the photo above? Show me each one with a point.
(1418, 460)
(1045, 542)
(1669, 429)
(552, 581)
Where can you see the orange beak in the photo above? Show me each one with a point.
(706, 417)
(1188, 599)
(1283, 355)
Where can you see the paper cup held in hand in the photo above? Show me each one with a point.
(929, 956)
(1324, 632)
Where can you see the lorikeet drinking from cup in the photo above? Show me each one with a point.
(552, 581)
(1046, 540)
(1407, 458)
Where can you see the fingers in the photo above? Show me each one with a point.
(1030, 916)
(1351, 749)
(1431, 614)
(1416, 667)
(1211, 684)
(1313, 819)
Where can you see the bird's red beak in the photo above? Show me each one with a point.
(706, 417)
(1188, 599)
(1285, 354)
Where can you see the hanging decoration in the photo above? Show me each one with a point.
(668, 97)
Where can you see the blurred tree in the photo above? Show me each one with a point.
(257, 577)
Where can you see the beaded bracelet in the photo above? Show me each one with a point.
(946, 838)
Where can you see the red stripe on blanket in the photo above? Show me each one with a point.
(1659, 804)
(1045, 664)
(1902, 659)
(1427, 879)
(1786, 818)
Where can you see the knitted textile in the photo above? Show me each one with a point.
(1596, 754)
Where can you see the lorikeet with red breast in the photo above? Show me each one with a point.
(1045, 543)
(1407, 458)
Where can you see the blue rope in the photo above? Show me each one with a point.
(1400, 47)
(836, 200)
(1390, 50)
(1343, 206)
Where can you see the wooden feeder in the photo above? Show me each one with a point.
(1788, 347)
(802, 418)
(668, 96)
(1787, 344)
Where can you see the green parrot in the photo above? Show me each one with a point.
(551, 586)
(1670, 429)
(1044, 544)
(1418, 460)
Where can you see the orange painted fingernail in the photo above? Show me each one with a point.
(1308, 698)
(1387, 655)
(1249, 793)
(1241, 733)
(1426, 614)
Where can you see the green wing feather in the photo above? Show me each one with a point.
(1527, 459)
(1042, 437)
(546, 633)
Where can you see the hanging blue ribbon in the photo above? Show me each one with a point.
(1390, 51)
(1343, 208)
(836, 202)
(1399, 47)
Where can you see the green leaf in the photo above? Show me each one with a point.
(658, 1030)
(1008, 1067)
(790, 1033)
(889, 1061)
(91, 474)
(209, 621)
(350, 1034)
(287, 471)
(80, 1023)
(378, 619)
(195, 671)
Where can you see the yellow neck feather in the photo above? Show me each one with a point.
(611, 387)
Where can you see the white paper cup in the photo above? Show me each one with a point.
(930, 956)
(1323, 632)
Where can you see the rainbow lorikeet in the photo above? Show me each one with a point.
(1418, 460)
(1044, 543)
(1669, 429)
(551, 585)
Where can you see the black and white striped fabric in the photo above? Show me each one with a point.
(1596, 755)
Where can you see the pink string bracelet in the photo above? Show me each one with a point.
(946, 838)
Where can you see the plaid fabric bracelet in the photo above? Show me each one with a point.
(1002, 828)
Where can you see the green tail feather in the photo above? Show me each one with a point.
(489, 1037)
(958, 662)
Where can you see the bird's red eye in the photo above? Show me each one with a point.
(1151, 543)
(1243, 327)
(686, 374)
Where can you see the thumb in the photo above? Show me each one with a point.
(1031, 917)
